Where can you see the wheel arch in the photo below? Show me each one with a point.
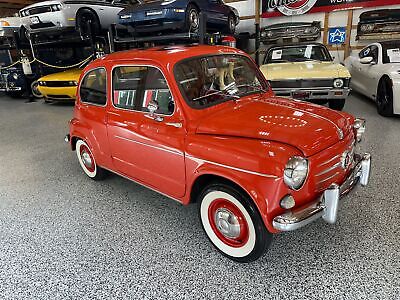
(383, 77)
(86, 8)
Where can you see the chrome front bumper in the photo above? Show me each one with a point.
(326, 207)
(317, 93)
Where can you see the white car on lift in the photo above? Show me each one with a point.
(72, 14)
(375, 72)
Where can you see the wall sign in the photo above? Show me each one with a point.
(337, 35)
(276, 8)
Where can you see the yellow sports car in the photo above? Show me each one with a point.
(307, 72)
(60, 86)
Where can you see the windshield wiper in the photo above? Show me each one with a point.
(216, 93)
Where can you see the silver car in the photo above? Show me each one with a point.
(71, 15)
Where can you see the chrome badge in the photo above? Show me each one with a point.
(340, 134)
(347, 158)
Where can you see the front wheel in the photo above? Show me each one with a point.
(35, 90)
(337, 104)
(87, 23)
(231, 24)
(384, 99)
(87, 161)
(192, 18)
(232, 223)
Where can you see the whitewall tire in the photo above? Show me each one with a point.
(87, 161)
(232, 223)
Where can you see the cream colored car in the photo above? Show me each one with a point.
(307, 72)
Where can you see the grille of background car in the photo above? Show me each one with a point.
(55, 83)
(38, 10)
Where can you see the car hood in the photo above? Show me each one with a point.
(156, 5)
(69, 75)
(310, 128)
(44, 3)
(304, 70)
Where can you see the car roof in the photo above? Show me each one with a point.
(168, 54)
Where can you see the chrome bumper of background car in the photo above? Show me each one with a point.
(327, 206)
(319, 93)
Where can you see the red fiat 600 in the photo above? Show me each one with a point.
(200, 124)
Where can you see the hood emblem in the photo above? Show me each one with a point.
(340, 134)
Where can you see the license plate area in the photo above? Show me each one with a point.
(35, 20)
(301, 95)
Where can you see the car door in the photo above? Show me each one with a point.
(217, 13)
(366, 72)
(145, 147)
(92, 109)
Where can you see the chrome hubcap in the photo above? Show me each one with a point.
(227, 223)
(86, 159)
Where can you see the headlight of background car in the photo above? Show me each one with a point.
(359, 128)
(73, 83)
(269, 33)
(295, 172)
(338, 83)
(15, 76)
(56, 7)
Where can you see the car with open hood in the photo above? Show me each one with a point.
(199, 124)
(307, 72)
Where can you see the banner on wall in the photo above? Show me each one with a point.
(276, 8)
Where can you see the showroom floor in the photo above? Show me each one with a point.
(64, 236)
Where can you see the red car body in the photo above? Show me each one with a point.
(245, 142)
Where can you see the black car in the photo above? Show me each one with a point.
(379, 24)
(156, 17)
(291, 32)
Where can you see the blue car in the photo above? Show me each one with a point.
(179, 16)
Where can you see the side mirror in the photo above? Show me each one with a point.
(366, 60)
(152, 107)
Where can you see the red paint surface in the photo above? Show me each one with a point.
(233, 140)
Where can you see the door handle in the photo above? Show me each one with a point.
(176, 125)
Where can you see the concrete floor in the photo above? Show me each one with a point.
(64, 236)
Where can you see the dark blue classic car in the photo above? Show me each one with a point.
(179, 15)
(12, 80)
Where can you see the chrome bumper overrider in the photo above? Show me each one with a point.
(327, 206)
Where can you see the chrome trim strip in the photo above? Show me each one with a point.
(328, 161)
(329, 169)
(230, 167)
(151, 146)
(330, 177)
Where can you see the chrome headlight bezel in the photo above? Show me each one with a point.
(359, 128)
(295, 172)
(338, 83)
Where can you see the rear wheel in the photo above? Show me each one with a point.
(337, 104)
(87, 23)
(192, 18)
(87, 161)
(384, 99)
(35, 91)
(232, 223)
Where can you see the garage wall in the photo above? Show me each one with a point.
(335, 19)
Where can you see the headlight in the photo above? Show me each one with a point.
(338, 83)
(314, 29)
(125, 17)
(359, 128)
(263, 34)
(15, 76)
(73, 83)
(56, 7)
(270, 34)
(295, 172)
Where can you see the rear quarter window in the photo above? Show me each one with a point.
(93, 88)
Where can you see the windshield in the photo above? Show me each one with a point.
(297, 54)
(210, 80)
(391, 53)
